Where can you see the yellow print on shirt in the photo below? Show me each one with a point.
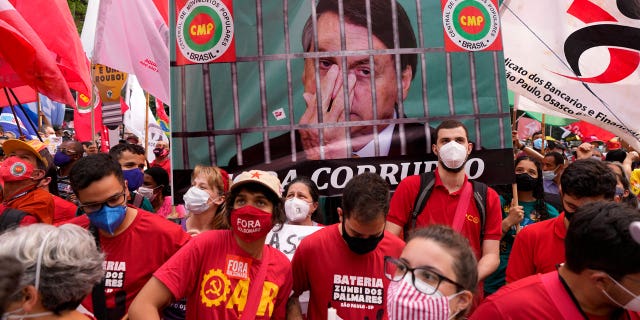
(216, 287)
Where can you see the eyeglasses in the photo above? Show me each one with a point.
(115, 200)
(395, 270)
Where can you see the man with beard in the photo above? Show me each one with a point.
(451, 201)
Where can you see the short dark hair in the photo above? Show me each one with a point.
(161, 177)
(116, 151)
(11, 270)
(465, 265)
(451, 124)
(381, 25)
(588, 178)
(616, 155)
(558, 159)
(93, 168)
(365, 197)
(599, 238)
(278, 216)
(313, 191)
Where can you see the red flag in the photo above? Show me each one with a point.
(25, 94)
(25, 60)
(105, 146)
(123, 106)
(527, 127)
(58, 32)
(82, 119)
(589, 132)
(163, 8)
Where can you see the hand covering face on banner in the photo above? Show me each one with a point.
(299, 104)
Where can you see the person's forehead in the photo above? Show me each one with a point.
(100, 190)
(201, 179)
(25, 154)
(526, 164)
(148, 180)
(421, 252)
(452, 133)
(356, 37)
(298, 187)
(127, 156)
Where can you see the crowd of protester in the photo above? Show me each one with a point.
(96, 235)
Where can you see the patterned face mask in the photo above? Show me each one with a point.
(405, 302)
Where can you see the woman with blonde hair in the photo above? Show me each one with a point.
(204, 201)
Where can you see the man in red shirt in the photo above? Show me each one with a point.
(600, 279)
(539, 247)
(341, 265)
(135, 242)
(452, 148)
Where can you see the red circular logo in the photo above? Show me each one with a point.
(472, 20)
(202, 29)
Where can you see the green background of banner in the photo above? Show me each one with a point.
(276, 83)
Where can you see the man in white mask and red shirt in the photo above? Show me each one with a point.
(451, 201)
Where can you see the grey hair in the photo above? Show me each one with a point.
(71, 264)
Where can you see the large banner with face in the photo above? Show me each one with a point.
(330, 89)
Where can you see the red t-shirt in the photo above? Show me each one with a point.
(441, 209)
(164, 164)
(214, 274)
(528, 299)
(353, 284)
(63, 210)
(538, 248)
(133, 256)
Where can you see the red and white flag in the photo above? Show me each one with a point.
(58, 32)
(131, 36)
(25, 60)
(82, 117)
(577, 57)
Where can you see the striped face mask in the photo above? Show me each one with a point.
(405, 302)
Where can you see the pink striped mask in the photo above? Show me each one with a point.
(405, 302)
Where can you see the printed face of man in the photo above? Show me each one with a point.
(359, 86)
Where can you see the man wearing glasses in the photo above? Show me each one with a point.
(135, 242)
(341, 265)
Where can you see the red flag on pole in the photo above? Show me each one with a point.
(82, 119)
(58, 32)
(25, 60)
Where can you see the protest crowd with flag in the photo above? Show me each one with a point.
(183, 93)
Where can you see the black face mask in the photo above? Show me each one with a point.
(525, 182)
(361, 245)
(567, 214)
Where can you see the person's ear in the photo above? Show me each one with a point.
(219, 200)
(339, 214)
(44, 182)
(38, 174)
(600, 279)
(30, 298)
(313, 207)
(407, 76)
(461, 303)
(434, 149)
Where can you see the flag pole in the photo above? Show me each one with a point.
(39, 110)
(146, 127)
(514, 186)
(544, 136)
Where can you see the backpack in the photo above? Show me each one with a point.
(10, 218)
(427, 180)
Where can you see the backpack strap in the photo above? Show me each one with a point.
(10, 218)
(427, 180)
(480, 198)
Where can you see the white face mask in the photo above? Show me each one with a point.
(196, 200)
(633, 305)
(296, 209)
(453, 155)
(403, 300)
(147, 193)
(548, 175)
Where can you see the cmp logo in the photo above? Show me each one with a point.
(472, 25)
(204, 30)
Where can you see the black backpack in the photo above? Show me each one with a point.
(427, 180)
(10, 218)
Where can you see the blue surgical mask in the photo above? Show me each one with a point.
(537, 144)
(61, 159)
(108, 218)
(134, 178)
